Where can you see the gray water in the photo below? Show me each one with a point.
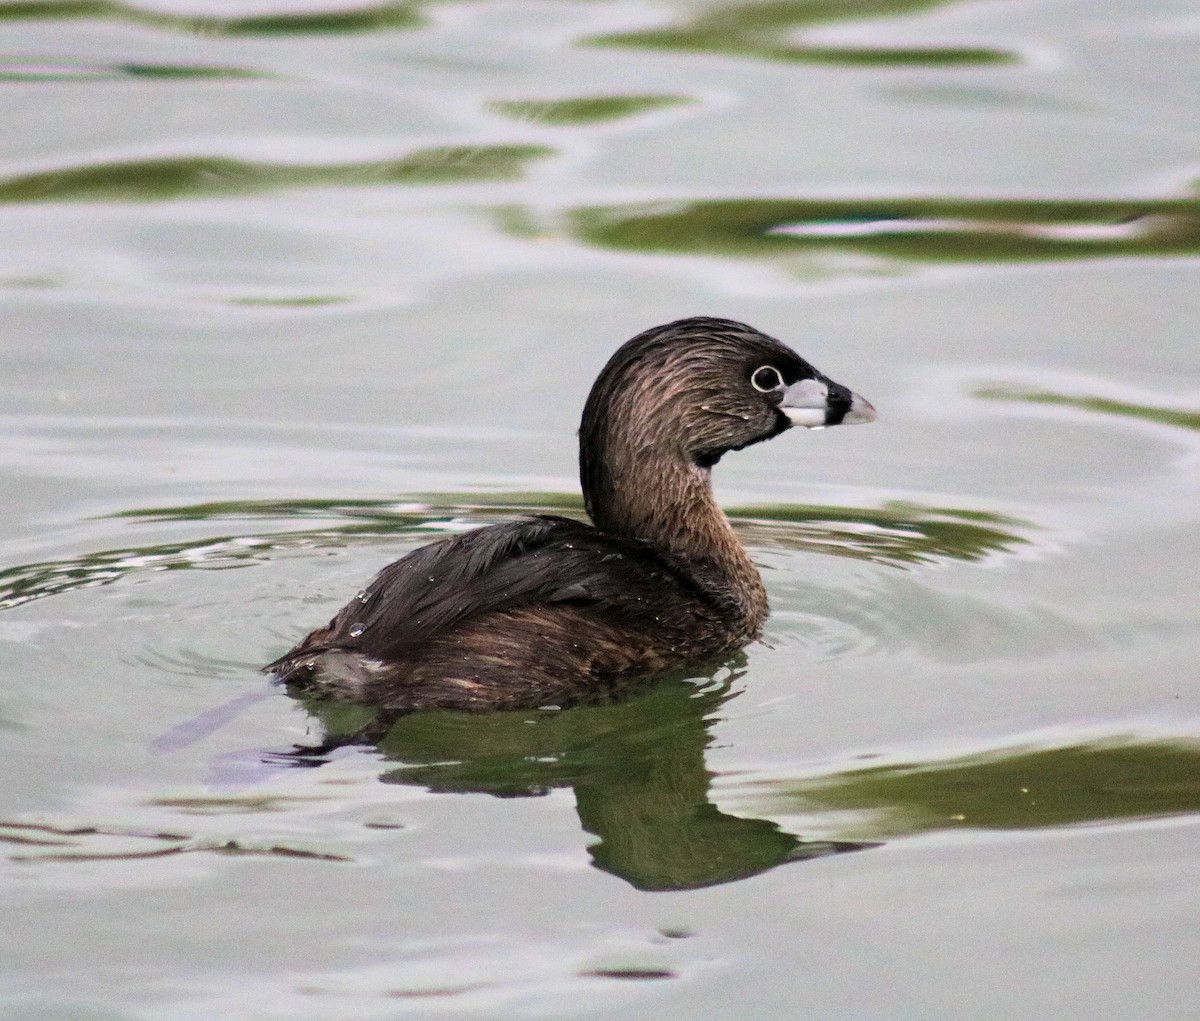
(289, 291)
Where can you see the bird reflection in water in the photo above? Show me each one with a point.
(636, 766)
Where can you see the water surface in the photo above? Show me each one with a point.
(290, 290)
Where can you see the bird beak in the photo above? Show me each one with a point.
(816, 403)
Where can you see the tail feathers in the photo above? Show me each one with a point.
(292, 667)
(298, 664)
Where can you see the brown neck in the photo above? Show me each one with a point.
(669, 503)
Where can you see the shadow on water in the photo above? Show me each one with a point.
(896, 534)
(191, 176)
(916, 229)
(767, 31)
(636, 766)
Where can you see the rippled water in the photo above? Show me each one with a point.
(291, 290)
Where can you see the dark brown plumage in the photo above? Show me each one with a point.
(547, 610)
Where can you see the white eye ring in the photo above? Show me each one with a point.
(765, 379)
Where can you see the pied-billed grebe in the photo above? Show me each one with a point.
(546, 610)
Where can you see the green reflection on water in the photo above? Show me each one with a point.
(898, 534)
(192, 176)
(584, 110)
(30, 71)
(1102, 405)
(636, 766)
(426, 507)
(300, 301)
(361, 19)
(1011, 789)
(941, 230)
(40, 842)
(184, 71)
(764, 30)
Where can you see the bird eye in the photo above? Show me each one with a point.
(766, 379)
